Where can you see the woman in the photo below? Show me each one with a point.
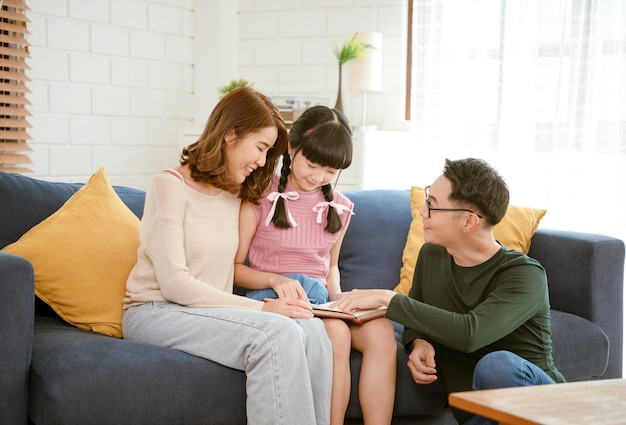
(180, 292)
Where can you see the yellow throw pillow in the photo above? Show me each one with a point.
(82, 255)
(414, 242)
(514, 232)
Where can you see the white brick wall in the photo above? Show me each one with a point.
(116, 83)
(112, 84)
(286, 48)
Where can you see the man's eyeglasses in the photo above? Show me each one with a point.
(427, 202)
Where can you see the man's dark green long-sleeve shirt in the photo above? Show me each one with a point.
(467, 312)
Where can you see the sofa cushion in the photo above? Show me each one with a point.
(109, 380)
(82, 255)
(515, 231)
(371, 252)
(19, 212)
(80, 377)
(26, 202)
(580, 348)
(133, 198)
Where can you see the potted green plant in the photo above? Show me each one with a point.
(352, 48)
(224, 90)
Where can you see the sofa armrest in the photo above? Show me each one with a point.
(586, 278)
(16, 336)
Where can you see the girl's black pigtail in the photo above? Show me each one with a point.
(280, 214)
(333, 224)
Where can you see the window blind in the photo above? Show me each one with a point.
(14, 52)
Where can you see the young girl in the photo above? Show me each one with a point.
(297, 229)
(179, 294)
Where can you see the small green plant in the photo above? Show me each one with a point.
(351, 49)
(234, 84)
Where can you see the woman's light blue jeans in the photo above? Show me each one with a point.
(504, 369)
(288, 362)
(315, 290)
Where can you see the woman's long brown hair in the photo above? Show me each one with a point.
(245, 111)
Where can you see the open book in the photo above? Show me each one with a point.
(360, 316)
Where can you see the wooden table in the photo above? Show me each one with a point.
(589, 402)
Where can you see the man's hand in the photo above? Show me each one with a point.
(296, 309)
(421, 362)
(363, 299)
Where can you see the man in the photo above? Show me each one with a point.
(478, 314)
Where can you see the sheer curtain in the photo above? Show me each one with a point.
(537, 88)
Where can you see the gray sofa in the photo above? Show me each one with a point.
(52, 373)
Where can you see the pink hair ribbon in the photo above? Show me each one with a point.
(321, 207)
(273, 197)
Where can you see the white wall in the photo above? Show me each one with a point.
(115, 83)
(112, 83)
(287, 48)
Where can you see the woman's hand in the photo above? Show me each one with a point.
(421, 362)
(296, 309)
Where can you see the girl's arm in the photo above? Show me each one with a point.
(249, 278)
(333, 281)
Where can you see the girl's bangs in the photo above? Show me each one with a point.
(328, 147)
